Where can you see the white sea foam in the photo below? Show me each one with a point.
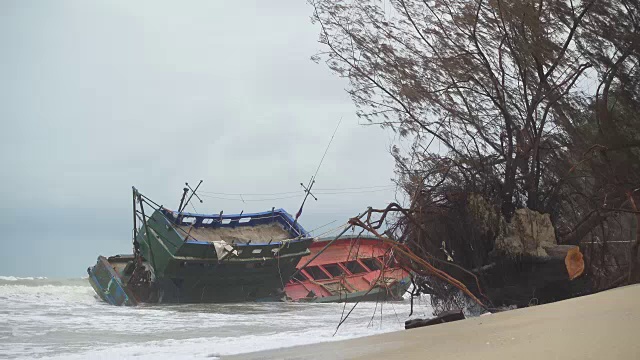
(212, 347)
(63, 319)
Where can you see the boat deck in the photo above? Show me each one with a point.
(258, 234)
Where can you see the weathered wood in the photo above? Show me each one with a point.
(559, 251)
(446, 316)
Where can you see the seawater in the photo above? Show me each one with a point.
(63, 319)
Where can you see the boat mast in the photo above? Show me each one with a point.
(136, 244)
(307, 189)
(193, 192)
(184, 194)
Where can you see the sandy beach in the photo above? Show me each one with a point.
(600, 326)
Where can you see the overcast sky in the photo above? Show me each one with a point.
(97, 96)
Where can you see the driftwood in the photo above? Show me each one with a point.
(444, 317)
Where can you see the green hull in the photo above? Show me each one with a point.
(213, 259)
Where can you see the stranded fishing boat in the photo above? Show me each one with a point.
(357, 268)
(182, 257)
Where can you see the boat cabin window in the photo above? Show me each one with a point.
(300, 277)
(354, 267)
(316, 273)
(372, 264)
(334, 270)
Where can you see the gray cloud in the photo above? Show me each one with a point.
(98, 96)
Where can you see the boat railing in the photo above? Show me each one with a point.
(249, 219)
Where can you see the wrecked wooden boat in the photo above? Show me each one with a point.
(182, 257)
(106, 279)
(352, 268)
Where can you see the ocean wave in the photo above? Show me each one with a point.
(42, 280)
(205, 346)
(46, 294)
(15, 278)
(59, 318)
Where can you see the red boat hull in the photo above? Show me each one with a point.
(350, 269)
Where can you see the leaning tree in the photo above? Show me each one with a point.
(507, 105)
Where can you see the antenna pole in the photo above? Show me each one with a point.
(184, 194)
(307, 189)
(193, 192)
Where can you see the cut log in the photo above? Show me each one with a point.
(527, 280)
(574, 263)
(572, 257)
(558, 251)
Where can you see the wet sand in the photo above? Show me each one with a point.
(599, 326)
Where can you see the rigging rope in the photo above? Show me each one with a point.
(295, 196)
(298, 191)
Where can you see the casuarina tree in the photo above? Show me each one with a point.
(507, 105)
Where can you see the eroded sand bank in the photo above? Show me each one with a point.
(600, 326)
